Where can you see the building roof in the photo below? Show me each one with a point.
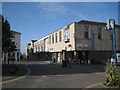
(93, 22)
(29, 44)
(16, 32)
(33, 41)
(84, 21)
(42, 39)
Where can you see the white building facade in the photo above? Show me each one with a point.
(16, 39)
(16, 54)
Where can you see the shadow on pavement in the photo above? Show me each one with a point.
(54, 69)
(13, 70)
(57, 69)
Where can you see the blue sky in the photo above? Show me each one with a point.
(35, 20)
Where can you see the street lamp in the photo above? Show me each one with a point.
(111, 26)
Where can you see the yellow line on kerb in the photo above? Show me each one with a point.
(17, 78)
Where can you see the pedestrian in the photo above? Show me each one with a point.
(68, 62)
(53, 59)
(50, 60)
(112, 59)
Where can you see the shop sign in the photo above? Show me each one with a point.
(82, 45)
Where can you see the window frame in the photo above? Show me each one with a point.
(100, 33)
(66, 34)
(49, 39)
(86, 32)
(56, 37)
(60, 36)
(53, 39)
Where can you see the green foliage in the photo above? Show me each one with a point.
(7, 44)
(113, 75)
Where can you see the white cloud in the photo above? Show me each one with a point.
(51, 9)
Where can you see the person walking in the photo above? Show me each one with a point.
(53, 59)
(112, 60)
(68, 62)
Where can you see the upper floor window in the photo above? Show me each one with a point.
(100, 34)
(49, 39)
(86, 32)
(56, 37)
(53, 38)
(66, 34)
(60, 36)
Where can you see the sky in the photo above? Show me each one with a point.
(35, 20)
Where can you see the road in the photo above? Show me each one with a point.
(44, 75)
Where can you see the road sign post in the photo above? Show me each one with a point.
(114, 46)
(111, 26)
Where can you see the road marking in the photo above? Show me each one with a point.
(18, 77)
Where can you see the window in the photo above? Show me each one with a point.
(86, 32)
(53, 38)
(56, 37)
(49, 40)
(60, 36)
(66, 34)
(99, 32)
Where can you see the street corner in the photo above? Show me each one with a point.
(13, 73)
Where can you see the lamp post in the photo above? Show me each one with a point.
(111, 26)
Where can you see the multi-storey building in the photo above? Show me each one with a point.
(30, 48)
(16, 39)
(84, 40)
(16, 54)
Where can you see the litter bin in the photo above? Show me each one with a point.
(64, 63)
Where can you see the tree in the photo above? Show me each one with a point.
(7, 44)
